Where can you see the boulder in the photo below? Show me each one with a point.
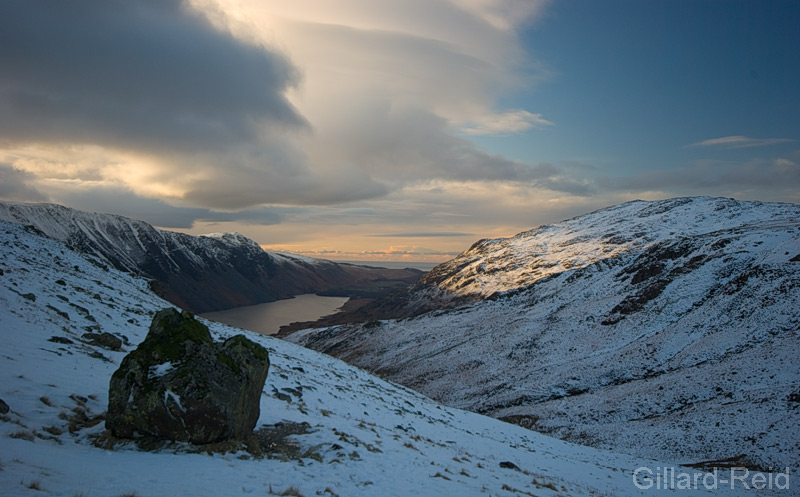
(180, 385)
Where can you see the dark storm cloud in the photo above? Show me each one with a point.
(123, 202)
(177, 105)
(14, 185)
(133, 74)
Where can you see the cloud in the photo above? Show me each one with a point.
(504, 14)
(190, 102)
(392, 252)
(437, 234)
(122, 201)
(403, 250)
(513, 121)
(387, 86)
(15, 185)
(739, 142)
(148, 95)
(400, 145)
(148, 73)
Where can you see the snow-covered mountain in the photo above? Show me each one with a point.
(354, 434)
(666, 329)
(198, 273)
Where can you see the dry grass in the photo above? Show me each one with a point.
(542, 484)
(517, 491)
(53, 430)
(23, 435)
(82, 418)
(46, 401)
(409, 445)
(34, 485)
(289, 492)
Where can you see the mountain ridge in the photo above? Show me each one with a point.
(637, 321)
(199, 273)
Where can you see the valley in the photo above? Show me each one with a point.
(672, 322)
(344, 431)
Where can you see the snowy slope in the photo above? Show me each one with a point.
(492, 266)
(199, 273)
(368, 437)
(673, 322)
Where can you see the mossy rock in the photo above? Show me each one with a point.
(180, 385)
(171, 333)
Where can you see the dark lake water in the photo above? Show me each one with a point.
(268, 318)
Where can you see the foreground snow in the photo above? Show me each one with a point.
(368, 436)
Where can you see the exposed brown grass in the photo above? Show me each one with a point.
(23, 435)
(289, 492)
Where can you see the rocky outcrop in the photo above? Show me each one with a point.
(180, 385)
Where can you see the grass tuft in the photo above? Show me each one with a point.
(53, 430)
(517, 491)
(23, 435)
(289, 492)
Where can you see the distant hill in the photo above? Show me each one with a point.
(667, 329)
(202, 273)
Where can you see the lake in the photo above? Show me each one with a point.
(268, 318)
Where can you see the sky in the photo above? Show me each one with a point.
(393, 129)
